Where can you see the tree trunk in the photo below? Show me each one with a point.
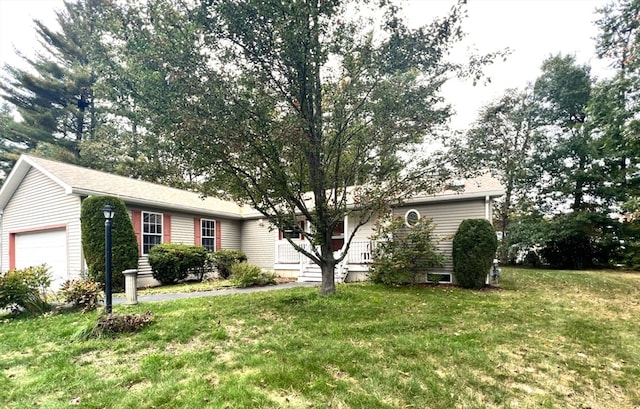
(578, 194)
(328, 266)
(79, 131)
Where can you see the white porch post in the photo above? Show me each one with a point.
(303, 260)
(487, 208)
(277, 247)
(346, 229)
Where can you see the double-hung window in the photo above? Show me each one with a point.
(208, 234)
(151, 230)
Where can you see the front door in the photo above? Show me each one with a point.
(337, 237)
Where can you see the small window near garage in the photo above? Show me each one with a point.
(151, 230)
(208, 234)
(412, 217)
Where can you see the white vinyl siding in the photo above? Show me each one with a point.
(40, 202)
(182, 229)
(446, 217)
(364, 232)
(258, 243)
(230, 234)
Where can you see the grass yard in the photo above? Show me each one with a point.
(547, 339)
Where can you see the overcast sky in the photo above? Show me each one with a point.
(533, 29)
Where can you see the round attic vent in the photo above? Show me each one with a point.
(412, 217)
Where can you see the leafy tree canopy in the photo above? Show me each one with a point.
(284, 105)
(316, 97)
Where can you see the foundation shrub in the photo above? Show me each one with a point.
(403, 253)
(474, 248)
(172, 263)
(246, 275)
(25, 289)
(124, 248)
(84, 295)
(223, 260)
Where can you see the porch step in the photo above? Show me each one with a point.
(310, 278)
(313, 274)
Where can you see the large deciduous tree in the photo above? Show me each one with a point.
(319, 111)
(503, 140)
(572, 178)
(571, 171)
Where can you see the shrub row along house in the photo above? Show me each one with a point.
(41, 199)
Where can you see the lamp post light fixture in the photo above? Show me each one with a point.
(108, 211)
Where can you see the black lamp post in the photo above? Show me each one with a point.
(108, 217)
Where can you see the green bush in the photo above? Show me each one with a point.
(223, 260)
(25, 289)
(246, 275)
(83, 294)
(531, 259)
(124, 248)
(409, 253)
(173, 262)
(581, 239)
(474, 248)
(632, 255)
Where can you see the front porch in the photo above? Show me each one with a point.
(354, 267)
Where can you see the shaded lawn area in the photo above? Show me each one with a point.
(547, 339)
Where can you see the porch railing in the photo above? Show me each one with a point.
(287, 254)
(360, 252)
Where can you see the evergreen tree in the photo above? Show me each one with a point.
(569, 169)
(9, 149)
(617, 101)
(54, 95)
(616, 109)
(153, 73)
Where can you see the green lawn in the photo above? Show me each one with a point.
(547, 339)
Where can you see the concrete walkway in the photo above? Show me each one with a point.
(228, 291)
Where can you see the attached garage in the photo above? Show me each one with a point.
(41, 204)
(42, 247)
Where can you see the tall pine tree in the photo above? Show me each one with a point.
(616, 109)
(564, 92)
(54, 94)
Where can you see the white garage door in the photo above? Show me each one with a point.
(48, 246)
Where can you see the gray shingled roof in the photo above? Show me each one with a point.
(479, 186)
(82, 181)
